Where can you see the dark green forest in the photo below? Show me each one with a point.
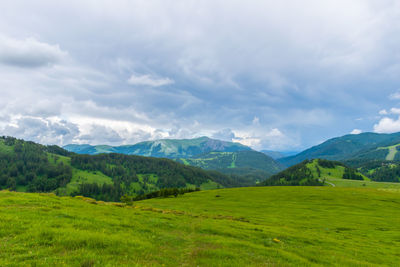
(31, 167)
(296, 175)
(26, 164)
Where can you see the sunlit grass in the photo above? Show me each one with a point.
(263, 226)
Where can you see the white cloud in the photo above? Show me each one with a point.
(29, 53)
(300, 81)
(356, 131)
(387, 125)
(148, 80)
(256, 121)
(395, 96)
(273, 139)
(44, 131)
(224, 134)
(395, 111)
(383, 112)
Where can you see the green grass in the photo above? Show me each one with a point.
(330, 173)
(311, 226)
(80, 177)
(365, 184)
(233, 163)
(184, 161)
(331, 176)
(152, 178)
(55, 159)
(4, 148)
(209, 185)
(392, 151)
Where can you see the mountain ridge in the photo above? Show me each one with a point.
(249, 163)
(351, 146)
(168, 148)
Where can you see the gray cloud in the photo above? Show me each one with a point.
(224, 134)
(100, 134)
(29, 53)
(148, 80)
(199, 67)
(41, 130)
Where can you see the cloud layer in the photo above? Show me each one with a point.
(274, 75)
(29, 53)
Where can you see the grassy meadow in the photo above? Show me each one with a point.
(262, 226)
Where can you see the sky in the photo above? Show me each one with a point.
(276, 75)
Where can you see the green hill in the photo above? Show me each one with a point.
(365, 146)
(315, 172)
(164, 148)
(27, 166)
(250, 163)
(379, 170)
(333, 173)
(263, 226)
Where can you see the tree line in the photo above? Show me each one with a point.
(26, 164)
(297, 175)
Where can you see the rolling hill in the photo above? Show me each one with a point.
(27, 166)
(164, 148)
(250, 163)
(364, 146)
(263, 226)
(315, 172)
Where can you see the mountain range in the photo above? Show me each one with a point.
(255, 165)
(279, 154)
(200, 162)
(234, 158)
(31, 167)
(360, 147)
(163, 148)
(203, 152)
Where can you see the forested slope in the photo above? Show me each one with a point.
(27, 166)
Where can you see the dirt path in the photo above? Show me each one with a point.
(333, 185)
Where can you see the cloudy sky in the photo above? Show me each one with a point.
(280, 75)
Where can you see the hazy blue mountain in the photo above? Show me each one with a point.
(164, 148)
(364, 146)
(278, 154)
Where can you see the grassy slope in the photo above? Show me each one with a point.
(329, 173)
(83, 176)
(313, 226)
(79, 176)
(5, 149)
(392, 151)
(333, 176)
(366, 184)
